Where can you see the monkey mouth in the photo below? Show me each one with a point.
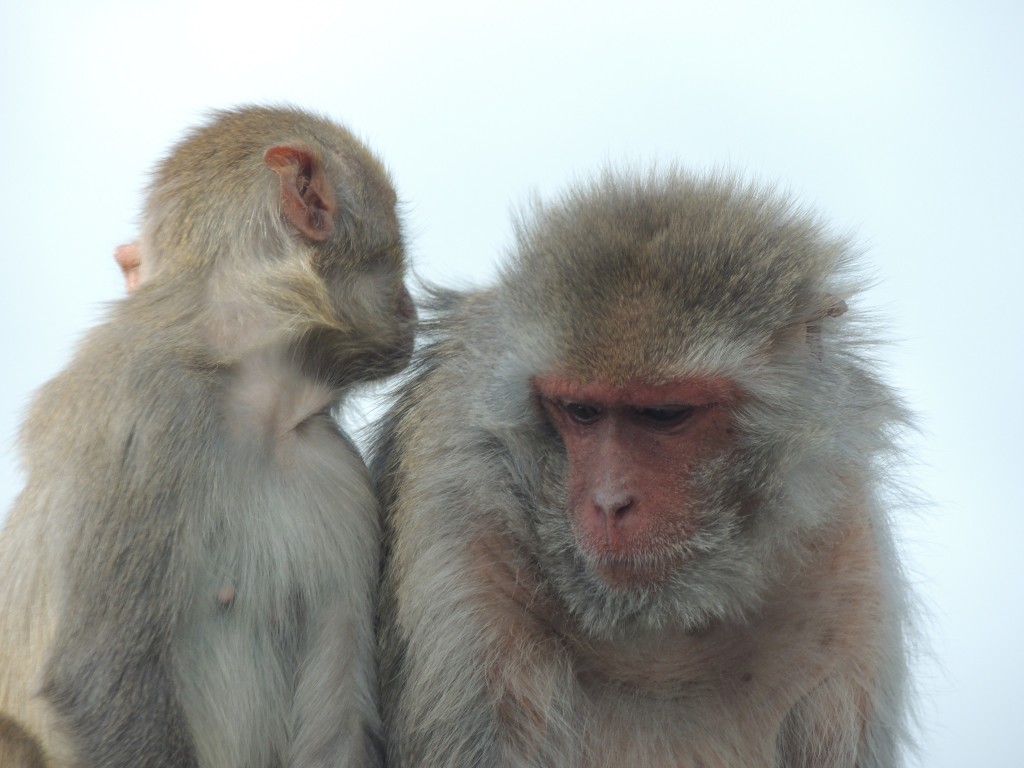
(631, 572)
(638, 564)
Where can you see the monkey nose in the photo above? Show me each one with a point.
(613, 506)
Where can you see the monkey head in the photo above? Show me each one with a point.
(314, 257)
(676, 347)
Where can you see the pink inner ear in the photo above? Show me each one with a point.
(280, 157)
(307, 200)
(127, 257)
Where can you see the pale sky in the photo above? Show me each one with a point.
(902, 122)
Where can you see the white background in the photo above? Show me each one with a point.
(902, 121)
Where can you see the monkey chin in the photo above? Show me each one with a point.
(615, 595)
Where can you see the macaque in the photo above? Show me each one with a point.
(188, 578)
(634, 498)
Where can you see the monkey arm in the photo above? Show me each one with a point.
(422, 729)
(851, 716)
(837, 723)
(125, 719)
(109, 674)
(507, 678)
(470, 672)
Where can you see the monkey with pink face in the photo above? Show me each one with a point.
(635, 498)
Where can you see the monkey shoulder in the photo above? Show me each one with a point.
(122, 393)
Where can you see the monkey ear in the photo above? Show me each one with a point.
(832, 306)
(129, 260)
(307, 199)
(806, 334)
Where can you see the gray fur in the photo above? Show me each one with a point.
(189, 449)
(782, 639)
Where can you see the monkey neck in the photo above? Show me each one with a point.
(235, 331)
(269, 392)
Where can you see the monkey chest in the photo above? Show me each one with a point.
(629, 730)
(298, 528)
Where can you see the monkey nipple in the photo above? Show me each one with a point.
(226, 595)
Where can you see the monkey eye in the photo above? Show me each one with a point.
(666, 416)
(582, 413)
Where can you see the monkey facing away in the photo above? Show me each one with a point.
(633, 499)
(188, 576)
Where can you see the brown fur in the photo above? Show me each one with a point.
(188, 576)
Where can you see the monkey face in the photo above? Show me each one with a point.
(373, 314)
(640, 530)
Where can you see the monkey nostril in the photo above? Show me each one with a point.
(613, 505)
